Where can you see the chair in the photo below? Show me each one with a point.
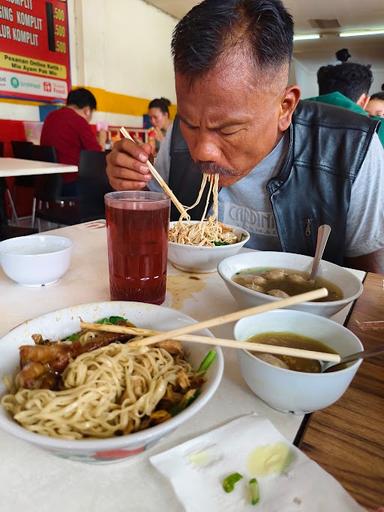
(89, 204)
(23, 149)
(47, 186)
(93, 185)
(7, 231)
(20, 149)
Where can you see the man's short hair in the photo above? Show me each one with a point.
(378, 95)
(161, 103)
(82, 98)
(263, 28)
(349, 78)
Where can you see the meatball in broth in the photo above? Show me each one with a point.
(283, 282)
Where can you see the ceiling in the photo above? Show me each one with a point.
(351, 15)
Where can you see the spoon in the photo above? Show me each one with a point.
(322, 238)
(363, 354)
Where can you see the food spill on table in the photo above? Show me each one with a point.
(183, 287)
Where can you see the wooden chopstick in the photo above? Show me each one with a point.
(159, 179)
(206, 340)
(237, 315)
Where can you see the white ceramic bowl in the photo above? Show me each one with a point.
(35, 260)
(291, 391)
(66, 321)
(192, 258)
(343, 278)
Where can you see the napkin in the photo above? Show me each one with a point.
(251, 446)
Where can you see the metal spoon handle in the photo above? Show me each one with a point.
(322, 238)
(364, 354)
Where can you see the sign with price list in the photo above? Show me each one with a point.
(34, 49)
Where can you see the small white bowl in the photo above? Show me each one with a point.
(341, 277)
(194, 258)
(291, 391)
(35, 260)
(59, 324)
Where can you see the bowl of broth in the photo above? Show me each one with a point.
(291, 384)
(259, 277)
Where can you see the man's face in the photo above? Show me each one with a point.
(231, 118)
(375, 107)
(157, 117)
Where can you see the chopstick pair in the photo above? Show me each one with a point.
(183, 333)
(159, 179)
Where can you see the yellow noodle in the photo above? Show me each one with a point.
(205, 232)
(107, 391)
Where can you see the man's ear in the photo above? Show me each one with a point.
(288, 104)
(363, 100)
(87, 111)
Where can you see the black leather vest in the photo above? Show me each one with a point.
(327, 146)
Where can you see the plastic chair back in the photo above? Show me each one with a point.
(93, 185)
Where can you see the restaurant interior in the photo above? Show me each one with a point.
(166, 343)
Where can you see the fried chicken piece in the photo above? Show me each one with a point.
(57, 355)
(182, 380)
(159, 416)
(174, 347)
(43, 363)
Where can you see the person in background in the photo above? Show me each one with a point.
(68, 131)
(158, 112)
(285, 167)
(347, 85)
(375, 105)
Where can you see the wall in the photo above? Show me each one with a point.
(120, 49)
(305, 78)
(309, 56)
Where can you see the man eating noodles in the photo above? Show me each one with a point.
(285, 166)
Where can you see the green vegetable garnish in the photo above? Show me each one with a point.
(218, 243)
(207, 361)
(184, 403)
(111, 320)
(254, 491)
(73, 337)
(230, 481)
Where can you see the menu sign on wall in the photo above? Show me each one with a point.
(34, 49)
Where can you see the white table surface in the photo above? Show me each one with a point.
(35, 481)
(20, 167)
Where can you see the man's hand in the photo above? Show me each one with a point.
(126, 165)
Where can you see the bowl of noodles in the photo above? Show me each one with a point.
(90, 395)
(199, 246)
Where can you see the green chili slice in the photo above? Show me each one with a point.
(254, 491)
(73, 337)
(111, 320)
(207, 361)
(230, 481)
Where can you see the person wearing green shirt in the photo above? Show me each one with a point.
(347, 86)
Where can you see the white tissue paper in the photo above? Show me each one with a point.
(250, 445)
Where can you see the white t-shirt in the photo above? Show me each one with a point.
(247, 204)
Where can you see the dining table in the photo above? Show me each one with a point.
(35, 480)
(12, 167)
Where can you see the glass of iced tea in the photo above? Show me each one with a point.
(137, 233)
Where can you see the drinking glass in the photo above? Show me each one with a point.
(137, 233)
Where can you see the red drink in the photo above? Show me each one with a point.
(137, 230)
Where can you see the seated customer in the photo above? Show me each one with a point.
(285, 167)
(375, 105)
(347, 85)
(68, 131)
(158, 112)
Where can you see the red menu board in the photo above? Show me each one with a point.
(34, 49)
